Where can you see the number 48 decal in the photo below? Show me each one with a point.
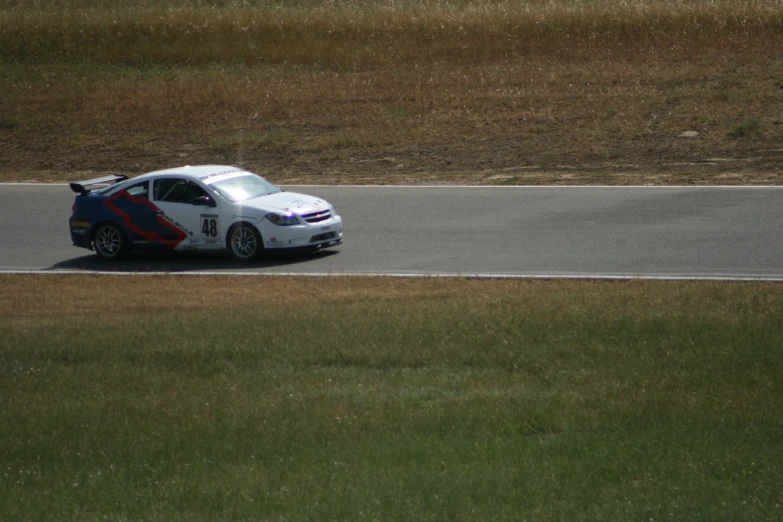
(209, 225)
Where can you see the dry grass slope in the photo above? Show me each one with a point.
(390, 92)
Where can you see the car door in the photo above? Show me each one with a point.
(135, 214)
(189, 212)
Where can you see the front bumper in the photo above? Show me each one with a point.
(324, 235)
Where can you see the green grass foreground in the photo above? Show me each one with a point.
(425, 400)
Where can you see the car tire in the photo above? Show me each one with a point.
(109, 242)
(245, 243)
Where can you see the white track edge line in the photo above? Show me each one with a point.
(488, 186)
(404, 275)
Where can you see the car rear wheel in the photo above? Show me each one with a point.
(109, 242)
(244, 241)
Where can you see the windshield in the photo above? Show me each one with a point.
(243, 187)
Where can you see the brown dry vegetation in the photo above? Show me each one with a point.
(397, 92)
(36, 297)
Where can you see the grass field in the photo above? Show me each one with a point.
(471, 91)
(171, 398)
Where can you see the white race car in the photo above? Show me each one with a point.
(208, 207)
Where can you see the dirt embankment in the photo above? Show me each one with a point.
(440, 104)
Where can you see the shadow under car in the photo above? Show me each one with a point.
(172, 261)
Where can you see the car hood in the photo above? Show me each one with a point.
(287, 202)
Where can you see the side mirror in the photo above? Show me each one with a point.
(203, 201)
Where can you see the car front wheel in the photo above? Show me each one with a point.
(109, 242)
(244, 241)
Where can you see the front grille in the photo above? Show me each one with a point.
(323, 237)
(317, 217)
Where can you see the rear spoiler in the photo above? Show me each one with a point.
(80, 187)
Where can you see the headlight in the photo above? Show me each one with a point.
(284, 220)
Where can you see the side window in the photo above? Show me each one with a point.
(177, 190)
(139, 189)
(163, 188)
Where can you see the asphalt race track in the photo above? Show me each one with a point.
(667, 232)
